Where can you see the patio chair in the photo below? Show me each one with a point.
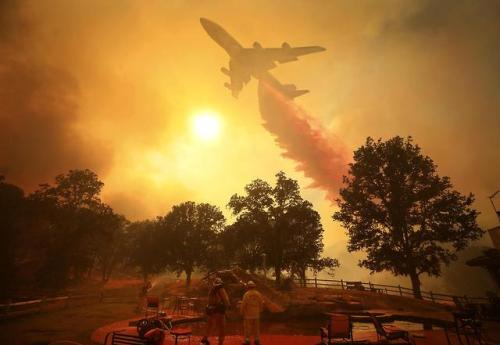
(467, 325)
(385, 335)
(181, 333)
(339, 327)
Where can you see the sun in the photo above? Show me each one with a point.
(206, 125)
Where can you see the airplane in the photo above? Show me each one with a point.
(256, 61)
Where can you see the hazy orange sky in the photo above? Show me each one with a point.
(113, 86)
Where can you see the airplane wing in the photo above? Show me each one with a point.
(288, 90)
(287, 53)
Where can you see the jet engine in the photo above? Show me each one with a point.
(257, 45)
(285, 45)
(286, 50)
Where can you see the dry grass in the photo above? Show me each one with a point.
(74, 322)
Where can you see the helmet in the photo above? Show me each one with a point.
(218, 282)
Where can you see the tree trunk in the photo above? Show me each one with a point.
(188, 277)
(106, 272)
(415, 284)
(303, 277)
(277, 274)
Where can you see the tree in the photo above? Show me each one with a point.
(107, 242)
(142, 246)
(306, 241)
(189, 235)
(407, 218)
(241, 245)
(60, 231)
(75, 222)
(277, 222)
(12, 224)
(76, 189)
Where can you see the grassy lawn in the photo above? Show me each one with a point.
(73, 323)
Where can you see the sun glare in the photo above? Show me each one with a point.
(206, 125)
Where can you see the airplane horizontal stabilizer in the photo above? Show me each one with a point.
(298, 93)
(291, 91)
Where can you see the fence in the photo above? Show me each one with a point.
(13, 309)
(390, 290)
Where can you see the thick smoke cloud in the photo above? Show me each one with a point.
(321, 156)
(38, 110)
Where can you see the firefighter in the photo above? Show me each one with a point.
(250, 308)
(218, 303)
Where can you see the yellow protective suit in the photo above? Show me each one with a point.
(251, 307)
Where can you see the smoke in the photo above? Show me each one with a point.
(130, 74)
(38, 110)
(321, 156)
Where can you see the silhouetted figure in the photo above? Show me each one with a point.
(218, 302)
(146, 287)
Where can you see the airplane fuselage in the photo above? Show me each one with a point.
(250, 63)
(256, 62)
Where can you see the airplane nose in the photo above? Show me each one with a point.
(210, 27)
(204, 22)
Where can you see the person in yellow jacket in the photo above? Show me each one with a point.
(250, 308)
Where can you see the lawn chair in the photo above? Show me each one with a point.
(385, 335)
(467, 325)
(339, 327)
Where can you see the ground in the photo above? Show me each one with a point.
(73, 323)
(79, 319)
(78, 322)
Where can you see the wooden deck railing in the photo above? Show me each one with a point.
(13, 309)
(389, 290)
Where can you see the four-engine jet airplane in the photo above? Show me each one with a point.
(257, 61)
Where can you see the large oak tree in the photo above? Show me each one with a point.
(407, 218)
(189, 236)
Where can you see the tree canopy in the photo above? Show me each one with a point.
(278, 223)
(407, 218)
(62, 231)
(189, 234)
(13, 207)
